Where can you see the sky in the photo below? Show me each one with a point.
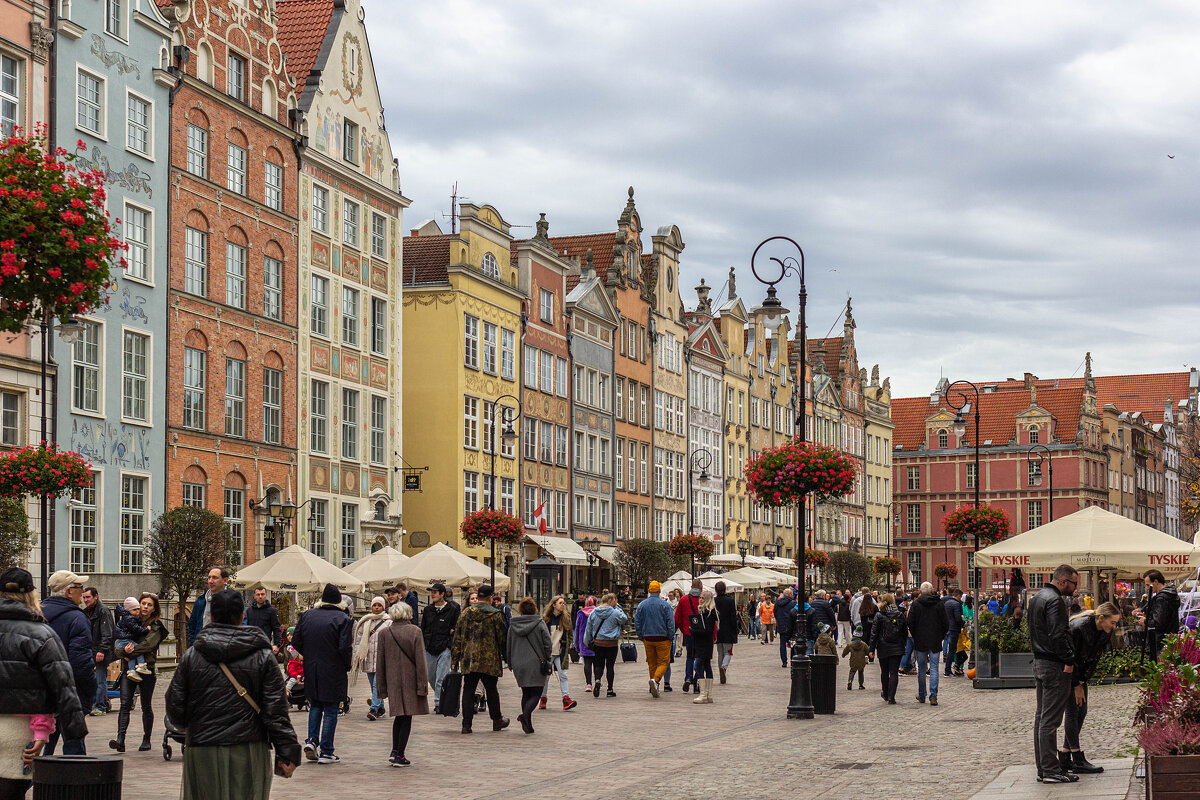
(989, 182)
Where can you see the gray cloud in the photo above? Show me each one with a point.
(989, 182)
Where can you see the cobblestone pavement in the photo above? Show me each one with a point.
(635, 747)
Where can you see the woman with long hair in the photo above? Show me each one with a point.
(562, 633)
(366, 650)
(866, 613)
(527, 653)
(148, 647)
(889, 638)
(1091, 636)
(603, 635)
(586, 654)
(704, 625)
(36, 684)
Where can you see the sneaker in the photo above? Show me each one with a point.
(143, 669)
(568, 703)
(97, 712)
(933, 701)
(372, 716)
(1057, 777)
(596, 690)
(667, 687)
(611, 693)
(654, 687)
(133, 676)
(329, 759)
(849, 686)
(401, 762)
(542, 704)
(310, 749)
(587, 688)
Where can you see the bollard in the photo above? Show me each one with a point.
(77, 778)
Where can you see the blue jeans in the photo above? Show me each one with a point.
(906, 661)
(949, 649)
(702, 668)
(437, 665)
(562, 679)
(930, 658)
(376, 703)
(322, 722)
(812, 647)
(101, 687)
(689, 674)
(783, 650)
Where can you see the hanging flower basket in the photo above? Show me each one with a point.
(886, 565)
(691, 545)
(946, 571)
(43, 471)
(989, 523)
(785, 475)
(816, 558)
(56, 242)
(488, 524)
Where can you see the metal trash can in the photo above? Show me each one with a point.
(77, 778)
(823, 683)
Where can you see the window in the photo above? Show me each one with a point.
(85, 373)
(272, 405)
(561, 377)
(547, 385)
(235, 77)
(10, 93)
(273, 185)
(1035, 435)
(1034, 513)
(972, 476)
(914, 478)
(560, 445)
(318, 418)
(197, 150)
(195, 262)
(914, 567)
(943, 439)
(10, 419)
(137, 236)
(350, 222)
(349, 424)
(645, 390)
(529, 504)
(508, 353)
(137, 125)
(531, 365)
(133, 522)
(272, 288)
(914, 518)
(320, 210)
(83, 529)
(235, 275)
(235, 397)
(349, 141)
(644, 464)
(234, 507)
(349, 533)
(471, 422)
(471, 341)
(547, 436)
(560, 510)
(134, 361)
(470, 492)
(505, 422)
(235, 174)
(89, 103)
(378, 235)
(193, 387)
(114, 18)
(316, 527)
(378, 325)
(489, 348)
(547, 306)
(529, 444)
(320, 306)
(490, 267)
(378, 429)
(349, 316)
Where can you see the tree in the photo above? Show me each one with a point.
(848, 570)
(183, 545)
(642, 560)
(15, 538)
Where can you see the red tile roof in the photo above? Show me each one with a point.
(302, 28)
(576, 247)
(832, 349)
(996, 415)
(1145, 393)
(426, 259)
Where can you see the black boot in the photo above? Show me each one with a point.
(145, 745)
(118, 743)
(1064, 761)
(1080, 764)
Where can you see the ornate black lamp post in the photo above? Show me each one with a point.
(509, 435)
(743, 549)
(702, 460)
(591, 548)
(800, 705)
(965, 403)
(1035, 478)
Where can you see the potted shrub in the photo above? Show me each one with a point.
(1011, 655)
(489, 525)
(946, 571)
(1169, 719)
(990, 524)
(785, 475)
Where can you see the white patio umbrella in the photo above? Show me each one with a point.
(751, 578)
(295, 569)
(441, 563)
(727, 560)
(709, 583)
(682, 575)
(380, 569)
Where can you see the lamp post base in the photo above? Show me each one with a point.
(800, 706)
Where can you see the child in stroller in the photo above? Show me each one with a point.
(295, 674)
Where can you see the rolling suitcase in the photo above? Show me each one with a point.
(628, 651)
(451, 694)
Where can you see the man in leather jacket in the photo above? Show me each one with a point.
(1053, 663)
(1162, 611)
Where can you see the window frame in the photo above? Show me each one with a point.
(100, 105)
(80, 507)
(10, 418)
(351, 320)
(378, 238)
(272, 290)
(318, 431)
(235, 405)
(148, 128)
(144, 378)
(232, 58)
(272, 189)
(131, 513)
(191, 263)
(379, 326)
(349, 425)
(201, 389)
(349, 141)
(96, 368)
(147, 246)
(322, 307)
(118, 19)
(239, 175)
(234, 280)
(320, 211)
(272, 401)
(192, 154)
(378, 432)
(14, 98)
(351, 230)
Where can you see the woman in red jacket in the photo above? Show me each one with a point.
(688, 604)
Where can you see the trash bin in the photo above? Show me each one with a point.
(823, 683)
(77, 778)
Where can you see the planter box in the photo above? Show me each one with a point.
(1016, 665)
(1172, 777)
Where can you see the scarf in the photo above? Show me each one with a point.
(364, 643)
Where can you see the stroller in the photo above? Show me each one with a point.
(171, 734)
(296, 696)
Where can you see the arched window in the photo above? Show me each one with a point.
(381, 514)
(490, 267)
(943, 439)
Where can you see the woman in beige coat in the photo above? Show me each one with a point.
(401, 677)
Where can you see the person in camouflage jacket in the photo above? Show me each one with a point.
(480, 639)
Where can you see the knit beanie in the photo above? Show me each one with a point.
(131, 604)
(655, 587)
(331, 595)
(380, 600)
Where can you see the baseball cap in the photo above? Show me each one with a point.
(63, 579)
(16, 580)
(438, 587)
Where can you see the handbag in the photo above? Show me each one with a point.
(237, 687)
(546, 665)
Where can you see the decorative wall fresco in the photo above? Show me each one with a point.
(105, 444)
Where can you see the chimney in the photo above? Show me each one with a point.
(1030, 380)
(414, 232)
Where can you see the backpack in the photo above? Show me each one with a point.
(895, 629)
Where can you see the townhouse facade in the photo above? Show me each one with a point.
(730, 322)
(771, 422)
(674, 469)
(706, 357)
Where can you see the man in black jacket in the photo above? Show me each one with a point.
(74, 630)
(261, 614)
(954, 612)
(1053, 663)
(928, 623)
(324, 637)
(437, 625)
(819, 613)
(103, 629)
(785, 622)
(1162, 611)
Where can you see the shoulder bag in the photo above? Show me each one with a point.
(237, 687)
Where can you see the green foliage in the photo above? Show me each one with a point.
(15, 536)
(1121, 664)
(785, 475)
(643, 560)
(1000, 634)
(847, 569)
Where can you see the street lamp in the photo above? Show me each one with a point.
(591, 548)
(769, 550)
(743, 549)
(1036, 478)
(800, 705)
(282, 514)
(703, 460)
(960, 429)
(509, 435)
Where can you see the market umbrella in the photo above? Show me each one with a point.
(295, 569)
(751, 578)
(727, 560)
(1093, 539)
(709, 582)
(682, 575)
(379, 569)
(441, 563)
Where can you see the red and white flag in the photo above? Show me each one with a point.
(539, 519)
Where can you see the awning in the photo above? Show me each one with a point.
(608, 552)
(561, 549)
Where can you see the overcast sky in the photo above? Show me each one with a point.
(989, 181)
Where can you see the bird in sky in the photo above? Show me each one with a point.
(1170, 156)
